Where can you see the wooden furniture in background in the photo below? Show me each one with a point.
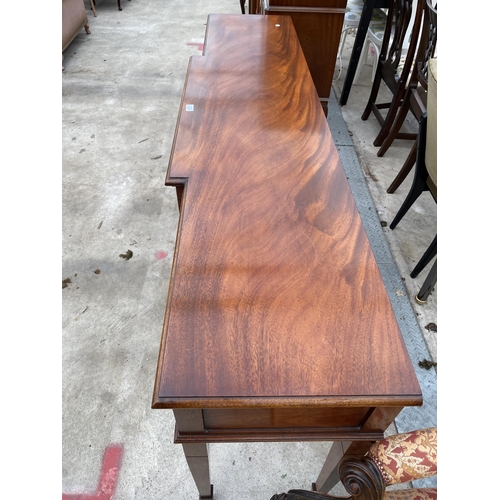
(366, 16)
(399, 24)
(319, 53)
(74, 18)
(425, 178)
(319, 27)
(415, 99)
(119, 5)
(278, 326)
(92, 4)
(254, 6)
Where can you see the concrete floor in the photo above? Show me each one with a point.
(122, 86)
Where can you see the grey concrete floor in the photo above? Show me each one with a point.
(121, 90)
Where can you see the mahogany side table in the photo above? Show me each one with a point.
(278, 326)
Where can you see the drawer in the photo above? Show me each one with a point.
(284, 418)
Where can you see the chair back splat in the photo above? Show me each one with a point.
(430, 47)
(415, 98)
(394, 66)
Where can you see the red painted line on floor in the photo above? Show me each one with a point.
(194, 44)
(109, 476)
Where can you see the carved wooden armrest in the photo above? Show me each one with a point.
(360, 476)
(394, 460)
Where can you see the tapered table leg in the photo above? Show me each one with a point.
(196, 453)
(197, 459)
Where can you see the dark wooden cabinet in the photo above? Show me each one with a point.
(319, 25)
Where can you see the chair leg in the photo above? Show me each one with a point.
(428, 286)
(242, 5)
(396, 127)
(92, 6)
(405, 169)
(429, 254)
(373, 96)
(389, 119)
(417, 188)
(417, 156)
(119, 6)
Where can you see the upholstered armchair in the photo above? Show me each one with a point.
(395, 460)
(74, 18)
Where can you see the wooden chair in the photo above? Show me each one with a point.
(119, 5)
(395, 460)
(415, 99)
(253, 6)
(425, 177)
(352, 17)
(374, 37)
(431, 279)
(92, 4)
(388, 67)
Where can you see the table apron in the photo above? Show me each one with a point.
(285, 435)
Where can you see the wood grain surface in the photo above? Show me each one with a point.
(275, 296)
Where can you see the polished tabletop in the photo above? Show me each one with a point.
(275, 296)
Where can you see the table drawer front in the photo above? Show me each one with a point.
(284, 418)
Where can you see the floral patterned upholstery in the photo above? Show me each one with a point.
(405, 457)
(412, 494)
